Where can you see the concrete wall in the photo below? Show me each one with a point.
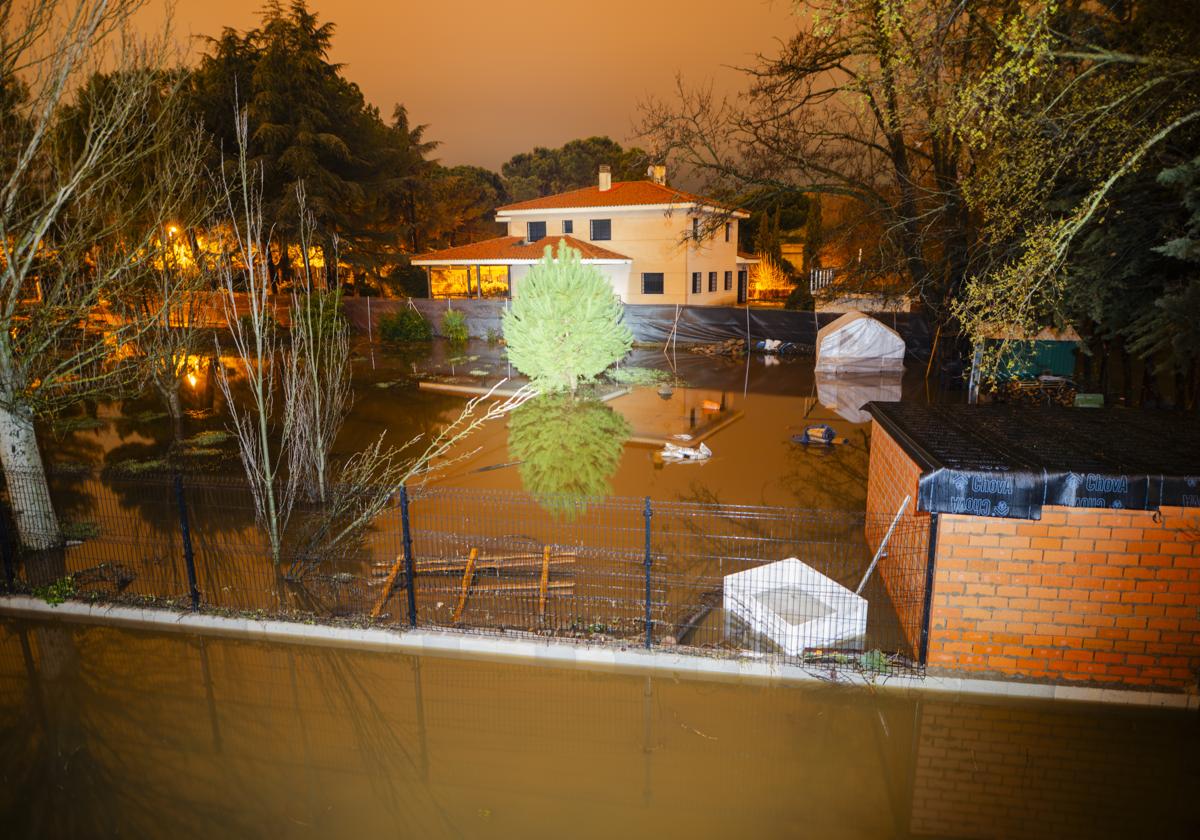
(1109, 597)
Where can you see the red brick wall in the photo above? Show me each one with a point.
(892, 476)
(1037, 771)
(1084, 595)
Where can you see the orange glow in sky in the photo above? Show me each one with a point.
(494, 79)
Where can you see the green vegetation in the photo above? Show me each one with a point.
(565, 327)
(568, 449)
(626, 375)
(454, 326)
(80, 530)
(571, 166)
(213, 437)
(404, 326)
(57, 592)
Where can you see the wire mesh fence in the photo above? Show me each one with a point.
(827, 588)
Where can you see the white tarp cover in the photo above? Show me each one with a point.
(795, 606)
(858, 342)
(847, 393)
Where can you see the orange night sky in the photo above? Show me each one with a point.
(493, 79)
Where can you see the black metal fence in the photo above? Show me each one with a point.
(806, 585)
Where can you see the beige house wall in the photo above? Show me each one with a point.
(656, 240)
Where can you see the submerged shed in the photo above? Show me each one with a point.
(858, 342)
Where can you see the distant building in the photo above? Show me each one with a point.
(654, 243)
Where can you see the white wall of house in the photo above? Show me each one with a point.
(617, 276)
(656, 239)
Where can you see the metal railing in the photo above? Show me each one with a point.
(708, 577)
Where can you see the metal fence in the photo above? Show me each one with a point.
(808, 586)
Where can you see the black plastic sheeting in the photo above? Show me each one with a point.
(1009, 461)
(653, 323)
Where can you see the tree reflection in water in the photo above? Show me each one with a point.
(568, 450)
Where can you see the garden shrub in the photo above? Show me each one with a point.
(454, 326)
(564, 326)
(402, 326)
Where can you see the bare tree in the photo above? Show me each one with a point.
(78, 217)
(175, 302)
(320, 348)
(856, 108)
(258, 346)
(369, 479)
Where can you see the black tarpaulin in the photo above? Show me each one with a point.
(657, 323)
(1009, 461)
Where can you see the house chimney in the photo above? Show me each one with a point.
(658, 174)
(605, 177)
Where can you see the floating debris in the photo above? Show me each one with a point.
(674, 452)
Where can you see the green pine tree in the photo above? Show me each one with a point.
(564, 326)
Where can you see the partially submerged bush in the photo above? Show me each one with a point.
(454, 326)
(402, 326)
(564, 326)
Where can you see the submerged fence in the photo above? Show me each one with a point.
(807, 586)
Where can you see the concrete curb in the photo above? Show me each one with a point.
(567, 654)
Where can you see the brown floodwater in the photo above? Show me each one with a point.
(114, 732)
(746, 411)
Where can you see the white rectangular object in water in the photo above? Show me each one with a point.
(795, 606)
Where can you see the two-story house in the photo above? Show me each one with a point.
(654, 243)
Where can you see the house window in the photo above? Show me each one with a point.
(652, 283)
(695, 282)
(601, 229)
(728, 281)
(568, 226)
(712, 281)
(535, 231)
(696, 229)
(728, 230)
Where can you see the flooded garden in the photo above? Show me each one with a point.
(562, 518)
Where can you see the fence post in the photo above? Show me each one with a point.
(188, 558)
(649, 560)
(409, 576)
(6, 549)
(927, 607)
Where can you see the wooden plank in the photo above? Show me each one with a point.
(545, 580)
(468, 574)
(381, 601)
(520, 586)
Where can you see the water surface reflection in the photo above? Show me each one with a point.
(106, 731)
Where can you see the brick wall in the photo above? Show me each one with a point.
(1100, 596)
(1012, 770)
(892, 476)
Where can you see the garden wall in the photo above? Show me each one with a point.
(653, 324)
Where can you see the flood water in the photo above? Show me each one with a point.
(107, 732)
(746, 411)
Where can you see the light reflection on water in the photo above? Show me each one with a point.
(745, 411)
(106, 731)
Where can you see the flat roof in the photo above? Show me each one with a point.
(1009, 461)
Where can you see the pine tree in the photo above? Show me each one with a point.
(564, 326)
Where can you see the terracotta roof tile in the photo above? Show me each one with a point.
(621, 194)
(515, 248)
